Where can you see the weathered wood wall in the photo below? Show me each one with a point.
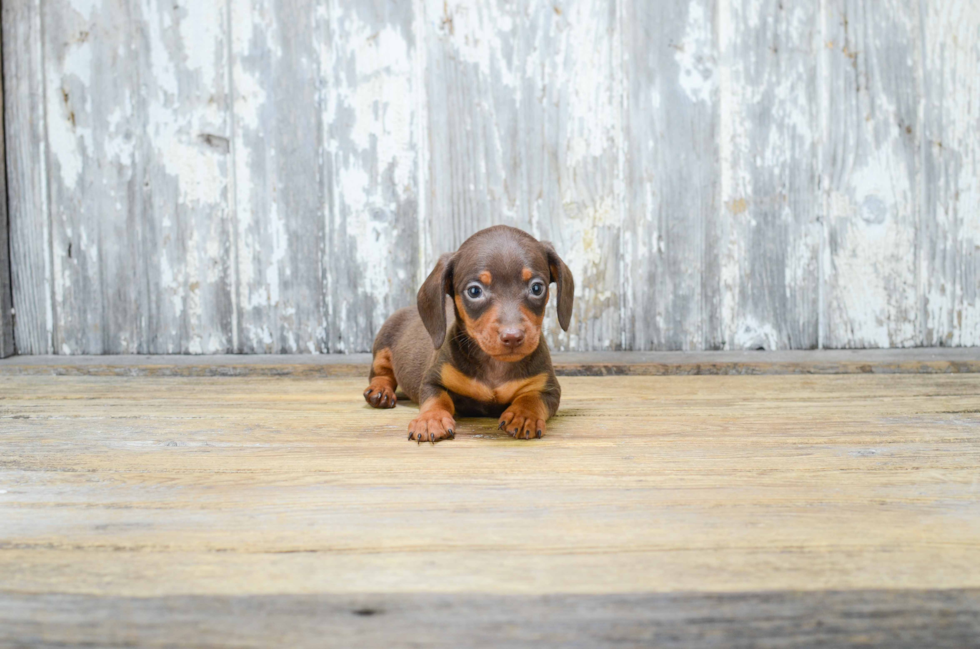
(279, 175)
(6, 297)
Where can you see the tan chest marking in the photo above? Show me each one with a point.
(453, 379)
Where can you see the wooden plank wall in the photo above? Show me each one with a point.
(6, 297)
(268, 176)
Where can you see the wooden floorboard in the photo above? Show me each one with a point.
(893, 619)
(687, 508)
(933, 360)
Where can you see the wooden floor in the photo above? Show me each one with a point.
(667, 511)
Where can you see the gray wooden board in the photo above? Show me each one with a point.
(25, 145)
(278, 177)
(871, 173)
(673, 175)
(369, 92)
(865, 618)
(766, 234)
(6, 307)
(6, 304)
(949, 226)
(279, 232)
(883, 361)
(136, 113)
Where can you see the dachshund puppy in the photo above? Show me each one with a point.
(473, 346)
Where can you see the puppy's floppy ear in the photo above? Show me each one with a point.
(561, 275)
(432, 299)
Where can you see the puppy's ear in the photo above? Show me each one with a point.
(561, 275)
(432, 299)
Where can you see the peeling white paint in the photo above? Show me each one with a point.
(69, 125)
(694, 56)
(540, 107)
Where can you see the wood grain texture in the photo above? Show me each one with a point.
(6, 296)
(278, 176)
(326, 172)
(91, 67)
(766, 234)
(26, 159)
(873, 82)
(893, 619)
(187, 242)
(949, 227)
(280, 189)
(865, 361)
(144, 487)
(673, 175)
(6, 304)
(524, 122)
(136, 108)
(698, 511)
(370, 93)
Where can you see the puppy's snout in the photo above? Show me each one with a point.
(512, 338)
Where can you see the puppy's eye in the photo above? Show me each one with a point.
(474, 292)
(537, 289)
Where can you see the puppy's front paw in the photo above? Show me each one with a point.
(432, 426)
(522, 423)
(380, 395)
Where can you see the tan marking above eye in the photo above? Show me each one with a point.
(485, 277)
(453, 379)
(527, 274)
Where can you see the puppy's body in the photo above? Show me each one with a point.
(473, 346)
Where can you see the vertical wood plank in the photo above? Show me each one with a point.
(949, 231)
(368, 103)
(871, 173)
(6, 303)
(27, 175)
(280, 226)
(525, 126)
(767, 231)
(187, 242)
(673, 171)
(92, 127)
(137, 130)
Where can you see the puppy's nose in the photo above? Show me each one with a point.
(512, 337)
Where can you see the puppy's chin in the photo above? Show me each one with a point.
(508, 358)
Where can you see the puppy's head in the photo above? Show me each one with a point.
(499, 280)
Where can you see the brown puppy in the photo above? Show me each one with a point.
(473, 346)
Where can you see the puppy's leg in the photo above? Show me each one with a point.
(380, 392)
(435, 421)
(526, 416)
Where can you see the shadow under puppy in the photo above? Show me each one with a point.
(481, 310)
